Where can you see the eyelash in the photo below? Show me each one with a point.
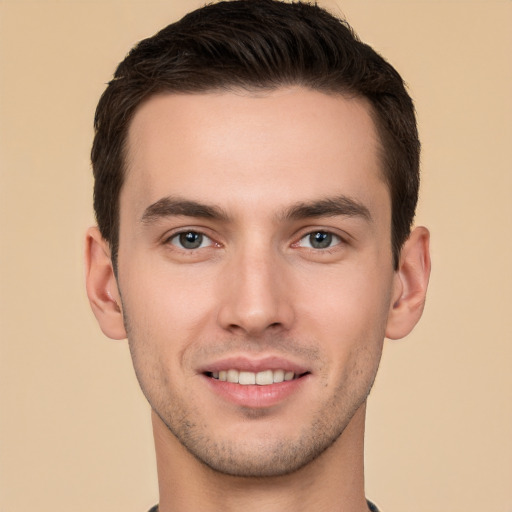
(178, 240)
(324, 235)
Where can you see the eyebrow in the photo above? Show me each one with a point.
(329, 207)
(171, 206)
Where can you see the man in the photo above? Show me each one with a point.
(256, 177)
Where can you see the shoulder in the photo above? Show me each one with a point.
(371, 507)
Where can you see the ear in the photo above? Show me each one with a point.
(101, 285)
(410, 287)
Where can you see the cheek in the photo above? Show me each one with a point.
(352, 295)
(165, 312)
(346, 312)
(165, 293)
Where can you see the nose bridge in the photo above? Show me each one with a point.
(254, 296)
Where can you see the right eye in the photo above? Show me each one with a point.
(190, 240)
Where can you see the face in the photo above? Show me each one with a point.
(255, 271)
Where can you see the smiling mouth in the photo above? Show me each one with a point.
(263, 378)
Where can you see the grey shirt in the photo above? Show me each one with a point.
(371, 507)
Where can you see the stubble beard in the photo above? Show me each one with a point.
(262, 458)
(278, 457)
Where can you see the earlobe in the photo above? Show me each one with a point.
(102, 286)
(411, 282)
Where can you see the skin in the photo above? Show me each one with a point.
(256, 179)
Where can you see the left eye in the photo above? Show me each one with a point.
(190, 240)
(319, 240)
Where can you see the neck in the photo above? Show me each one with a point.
(333, 481)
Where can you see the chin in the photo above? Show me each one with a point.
(263, 456)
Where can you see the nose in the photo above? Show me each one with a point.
(255, 296)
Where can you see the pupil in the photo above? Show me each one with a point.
(320, 240)
(191, 240)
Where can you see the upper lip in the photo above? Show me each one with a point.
(251, 364)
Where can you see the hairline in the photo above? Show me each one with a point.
(251, 90)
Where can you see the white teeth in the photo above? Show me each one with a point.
(246, 378)
(278, 375)
(263, 378)
(233, 376)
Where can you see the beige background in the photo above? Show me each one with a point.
(74, 427)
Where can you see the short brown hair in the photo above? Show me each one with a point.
(262, 45)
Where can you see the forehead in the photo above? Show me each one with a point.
(238, 148)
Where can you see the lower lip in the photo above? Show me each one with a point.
(255, 396)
